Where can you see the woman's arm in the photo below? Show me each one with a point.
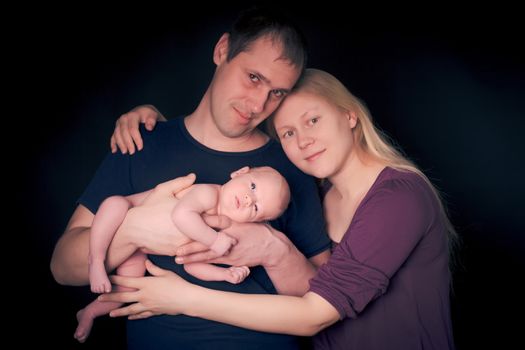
(127, 135)
(304, 315)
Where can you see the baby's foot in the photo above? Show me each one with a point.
(237, 274)
(98, 278)
(85, 322)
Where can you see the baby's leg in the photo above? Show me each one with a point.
(133, 266)
(210, 272)
(108, 218)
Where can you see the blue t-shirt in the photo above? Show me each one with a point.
(170, 151)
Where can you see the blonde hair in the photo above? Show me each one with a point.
(369, 139)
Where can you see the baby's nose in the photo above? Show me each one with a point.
(248, 200)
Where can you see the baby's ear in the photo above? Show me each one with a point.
(242, 170)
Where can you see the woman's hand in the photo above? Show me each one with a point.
(162, 293)
(126, 134)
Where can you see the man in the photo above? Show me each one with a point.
(258, 62)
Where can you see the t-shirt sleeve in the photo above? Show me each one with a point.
(112, 178)
(384, 231)
(304, 222)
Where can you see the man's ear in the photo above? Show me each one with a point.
(220, 53)
(242, 170)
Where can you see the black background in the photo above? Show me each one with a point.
(446, 83)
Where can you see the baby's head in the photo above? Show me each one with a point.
(254, 194)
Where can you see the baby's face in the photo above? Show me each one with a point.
(251, 197)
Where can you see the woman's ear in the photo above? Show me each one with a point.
(242, 170)
(352, 119)
(220, 53)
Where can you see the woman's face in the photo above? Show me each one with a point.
(315, 135)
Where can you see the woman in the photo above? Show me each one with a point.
(387, 282)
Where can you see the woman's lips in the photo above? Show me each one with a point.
(314, 156)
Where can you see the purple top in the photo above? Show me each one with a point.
(389, 277)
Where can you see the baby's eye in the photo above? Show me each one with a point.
(253, 186)
(256, 208)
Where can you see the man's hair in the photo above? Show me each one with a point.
(257, 22)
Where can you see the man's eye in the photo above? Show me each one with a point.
(254, 78)
(278, 93)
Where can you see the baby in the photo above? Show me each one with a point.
(252, 195)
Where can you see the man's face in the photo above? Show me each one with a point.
(248, 88)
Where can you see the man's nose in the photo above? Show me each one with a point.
(257, 101)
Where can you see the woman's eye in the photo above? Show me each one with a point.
(313, 120)
(287, 134)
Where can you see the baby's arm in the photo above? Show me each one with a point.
(187, 218)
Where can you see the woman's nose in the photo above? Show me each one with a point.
(304, 141)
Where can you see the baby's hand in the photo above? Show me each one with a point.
(223, 243)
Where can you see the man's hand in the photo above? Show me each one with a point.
(260, 244)
(257, 244)
(148, 226)
(127, 135)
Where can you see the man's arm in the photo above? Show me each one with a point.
(289, 270)
(259, 244)
(69, 263)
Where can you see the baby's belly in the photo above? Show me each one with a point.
(154, 219)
